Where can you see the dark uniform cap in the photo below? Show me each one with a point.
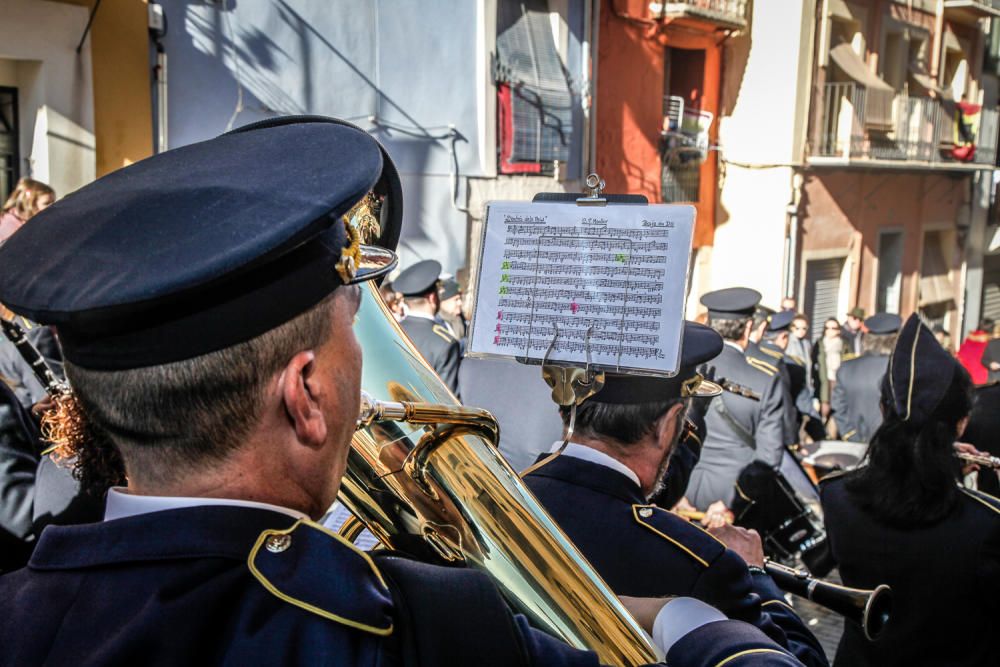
(700, 344)
(920, 372)
(731, 303)
(780, 321)
(883, 323)
(205, 246)
(418, 279)
(450, 288)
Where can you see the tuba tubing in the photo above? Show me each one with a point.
(871, 609)
(425, 477)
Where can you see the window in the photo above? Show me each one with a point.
(535, 102)
(890, 271)
(822, 288)
(9, 136)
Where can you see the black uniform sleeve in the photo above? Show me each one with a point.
(730, 586)
(18, 463)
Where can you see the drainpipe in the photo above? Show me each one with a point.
(791, 245)
(938, 39)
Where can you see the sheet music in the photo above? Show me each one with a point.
(618, 272)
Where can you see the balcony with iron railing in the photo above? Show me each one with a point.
(974, 9)
(916, 132)
(726, 13)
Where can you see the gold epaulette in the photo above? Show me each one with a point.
(772, 353)
(291, 565)
(656, 519)
(762, 366)
(444, 333)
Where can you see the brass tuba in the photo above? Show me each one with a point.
(424, 476)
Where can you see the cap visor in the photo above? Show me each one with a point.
(374, 263)
(707, 388)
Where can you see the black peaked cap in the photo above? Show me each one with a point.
(883, 323)
(201, 247)
(780, 321)
(731, 303)
(700, 344)
(418, 279)
(920, 372)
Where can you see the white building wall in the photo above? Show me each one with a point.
(38, 56)
(762, 141)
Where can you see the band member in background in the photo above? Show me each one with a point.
(451, 308)
(419, 286)
(599, 489)
(768, 355)
(855, 396)
(902, 519)
(232, 409)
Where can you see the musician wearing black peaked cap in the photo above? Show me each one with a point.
(205, 299)
(902, 519)
(423, 324)
(599, 489)
(768, 354)
(855, 396)
(739, 430)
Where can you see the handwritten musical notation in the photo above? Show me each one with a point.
(579, 283)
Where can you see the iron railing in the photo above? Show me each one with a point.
(727, 11)
(922, 129)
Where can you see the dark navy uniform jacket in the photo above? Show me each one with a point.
(223, 585)
(441, 350)
(945, 581)
(643, 550)
(855, 399)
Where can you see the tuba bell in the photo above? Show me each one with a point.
(424, 476)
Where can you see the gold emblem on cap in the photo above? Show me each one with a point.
(645, 512)
(690, 386)
(278, 543)
(350, 255)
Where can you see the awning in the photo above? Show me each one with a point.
(840, 10)
(950, 40)
(918, 72)
(935, 284)
(878, 94)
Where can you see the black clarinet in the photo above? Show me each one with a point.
(16, 335)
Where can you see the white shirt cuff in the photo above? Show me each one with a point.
(679, 617)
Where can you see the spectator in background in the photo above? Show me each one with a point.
(943, 338)
(991, 355)
(799, 345)
(852, 331)
(829, 353)
(451, 307)
(28, 198)
(970, 354)
(788, 303)
(393, 299)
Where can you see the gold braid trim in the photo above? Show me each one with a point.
(350, 256)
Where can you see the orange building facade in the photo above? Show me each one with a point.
(658, 87)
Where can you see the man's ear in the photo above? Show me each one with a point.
(668, 427)
(300, 392)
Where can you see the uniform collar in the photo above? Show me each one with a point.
(594, 476)
(735, 346)
(123, 504)
(592, 455)
(421, 316)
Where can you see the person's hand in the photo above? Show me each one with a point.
(994, 366)
(745, 542)
(644, 610)
(966, 448)
(717, 515)
(684, 508)
(42, 406)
